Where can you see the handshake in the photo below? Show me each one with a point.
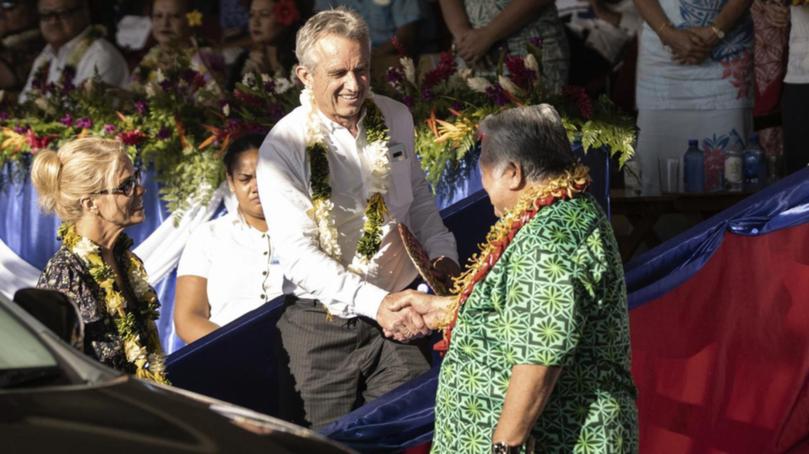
(410, 314)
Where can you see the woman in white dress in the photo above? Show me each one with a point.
(695, 81)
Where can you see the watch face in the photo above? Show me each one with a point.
(502, 448)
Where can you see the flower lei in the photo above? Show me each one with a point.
(564, 187)
(40, 80)
(377, 137)
(147, 359)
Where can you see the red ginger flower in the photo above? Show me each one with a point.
(132, 137)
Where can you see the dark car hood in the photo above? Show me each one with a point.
(130, 415)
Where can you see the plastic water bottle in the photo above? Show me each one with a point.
(694, 163)
(733, 166)
(754, 166)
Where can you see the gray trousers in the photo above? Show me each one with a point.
(339, 364)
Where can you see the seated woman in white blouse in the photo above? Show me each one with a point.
(227, 267)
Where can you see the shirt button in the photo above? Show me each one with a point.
(263, 296)
(266, 252)
(263, 273)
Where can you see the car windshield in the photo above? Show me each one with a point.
(23, 356)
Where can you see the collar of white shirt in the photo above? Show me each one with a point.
(332, 126)
(67, 48)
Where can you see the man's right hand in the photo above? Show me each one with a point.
(398, 320)
(432, 309)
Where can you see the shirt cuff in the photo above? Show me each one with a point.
(368, 299)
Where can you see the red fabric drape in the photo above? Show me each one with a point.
(721, 362)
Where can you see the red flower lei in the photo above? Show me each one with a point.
(503, 232)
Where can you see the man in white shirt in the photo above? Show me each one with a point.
(72, 42)
(339, 302)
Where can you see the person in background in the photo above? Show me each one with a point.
(21, 41)
(75, 50)
(228, 268)
(172, 31)
(795, 100)
(481, 29)
(539, 358)
(770, 36)
(695, 81)
(94, 189)
(272, 25)
(603, 46)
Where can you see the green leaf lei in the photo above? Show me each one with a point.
(377, 136)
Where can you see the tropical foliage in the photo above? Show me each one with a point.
(179, 121)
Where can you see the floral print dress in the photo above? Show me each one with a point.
(66, 273)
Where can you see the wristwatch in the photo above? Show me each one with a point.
(501, 447)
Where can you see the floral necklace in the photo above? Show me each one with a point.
(142, 350)
(500, 235)
(40, 80)
(377, 137)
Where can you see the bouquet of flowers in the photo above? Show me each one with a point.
(448, 103)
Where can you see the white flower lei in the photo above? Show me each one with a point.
(323, 208)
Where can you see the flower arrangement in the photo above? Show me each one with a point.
(448, 103)
(178, 121)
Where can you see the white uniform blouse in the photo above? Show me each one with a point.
(238, 263)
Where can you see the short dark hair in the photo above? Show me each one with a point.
(532, 136)
(239, 146)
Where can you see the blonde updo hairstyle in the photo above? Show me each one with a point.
(80, 168)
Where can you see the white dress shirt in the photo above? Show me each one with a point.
(284, 187)
(238, 263)
(101, 56)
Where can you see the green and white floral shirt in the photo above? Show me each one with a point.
(555, 298)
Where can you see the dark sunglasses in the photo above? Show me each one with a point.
(126, 188)
(45, 16)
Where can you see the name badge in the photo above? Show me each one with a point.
(397, 152)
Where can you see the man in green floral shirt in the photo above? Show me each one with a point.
(539, 357)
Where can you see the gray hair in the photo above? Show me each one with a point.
(340, 21)
(532, 136)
